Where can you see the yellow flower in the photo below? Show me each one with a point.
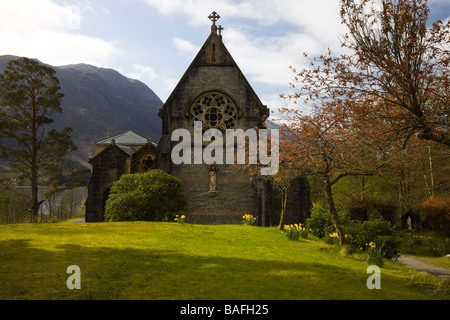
(334, 235)
(182, 217)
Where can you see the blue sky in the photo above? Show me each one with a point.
(155, 40)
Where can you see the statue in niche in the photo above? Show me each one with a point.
(212, 180)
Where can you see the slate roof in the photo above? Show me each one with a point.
(128, 150)
(128, 138)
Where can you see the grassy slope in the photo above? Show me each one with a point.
(145, 260)
(422, 251)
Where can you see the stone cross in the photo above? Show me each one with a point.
(220, 28)
(214, 17)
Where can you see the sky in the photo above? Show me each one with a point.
(154, 41)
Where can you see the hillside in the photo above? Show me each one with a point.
(99, 103)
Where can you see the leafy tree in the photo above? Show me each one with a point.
(29, 93)
(324, 144)
(397, 68)
(150, 196)
(435, 212)
(367, 105)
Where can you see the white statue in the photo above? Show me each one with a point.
(408, 222)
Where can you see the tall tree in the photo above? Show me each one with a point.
(326, 145)
(29, 93)
(398, 68)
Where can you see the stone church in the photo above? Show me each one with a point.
(215, 91)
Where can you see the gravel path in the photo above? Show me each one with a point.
(410, 262)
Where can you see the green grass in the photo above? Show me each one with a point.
(151, 260)
(427, 246)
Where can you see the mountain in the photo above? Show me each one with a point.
(99, 103)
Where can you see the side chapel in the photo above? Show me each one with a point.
(215, 91)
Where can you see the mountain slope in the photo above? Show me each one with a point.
(99, 103)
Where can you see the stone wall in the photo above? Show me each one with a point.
(235, 195)
(107, 167)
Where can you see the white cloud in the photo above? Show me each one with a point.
(312, 26)
(158, 82)
(185, 47)
(144, 72)
(267, 59)
(104, 10)
(319, 18)
(50, 32)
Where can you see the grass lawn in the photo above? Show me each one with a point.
(155, 260)
(426, 246)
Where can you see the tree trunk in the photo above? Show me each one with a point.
(426, 179)
(34, 193)
(333, 211)
(283, 208)
(34, 165)
(431, 172)
(363, 188)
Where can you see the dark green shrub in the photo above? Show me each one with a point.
(378, 231)
(387, 210)
(363, 210)
(359, 209)
(319, 221)
(151, 196)
(390, 245)
(435, 212)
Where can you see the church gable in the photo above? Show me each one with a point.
(213, 71)
(144, 159)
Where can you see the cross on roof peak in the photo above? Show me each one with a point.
(214, 17)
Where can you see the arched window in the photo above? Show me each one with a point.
(215, 110)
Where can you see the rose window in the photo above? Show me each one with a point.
(215, 110)
(146, 162)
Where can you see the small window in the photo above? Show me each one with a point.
(146, 162)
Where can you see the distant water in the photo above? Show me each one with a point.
(74, 196)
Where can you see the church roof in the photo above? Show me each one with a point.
(127, 138)
(127, 149)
